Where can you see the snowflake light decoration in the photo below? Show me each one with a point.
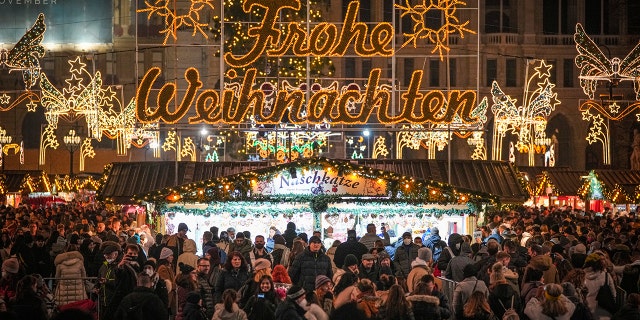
(174, 21)
(421, 29)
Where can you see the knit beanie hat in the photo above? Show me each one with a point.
(165, 253)
(295, 292)
(350, 260)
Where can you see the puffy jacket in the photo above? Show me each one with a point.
(306, 266)
(146, 300)
(70, 265)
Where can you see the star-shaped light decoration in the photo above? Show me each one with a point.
(4, 99)
(614, 107)
(31, 106)
(77, 66)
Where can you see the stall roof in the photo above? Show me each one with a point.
(491, 177)
(568, 182)
(128, 178)
(15, 178)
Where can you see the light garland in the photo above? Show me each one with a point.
(174, 21)
(237, 187)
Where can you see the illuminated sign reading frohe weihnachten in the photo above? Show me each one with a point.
(233, 104)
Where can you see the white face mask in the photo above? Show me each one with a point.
(406, 242)
(110, 260)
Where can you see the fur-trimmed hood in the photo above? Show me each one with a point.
(69, 258)
(424, 298)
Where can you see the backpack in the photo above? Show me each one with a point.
(511, 313)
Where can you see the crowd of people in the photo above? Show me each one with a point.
(75, 262)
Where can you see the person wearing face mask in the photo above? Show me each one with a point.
(292, 308)
(404, 255)
(259, 251)
(158, 285)
(116, 277)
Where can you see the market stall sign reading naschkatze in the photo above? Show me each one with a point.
(317, 182)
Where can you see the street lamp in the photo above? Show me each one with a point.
(72, 141)
(4, 139)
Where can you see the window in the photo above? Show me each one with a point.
(567, 70)
(602, 16)
(434, 73)
(492, 71)
(511, 66)
(633, 18)
(350, 68)
(365, 10)
(500, 17)
(141, 67)
(408, 70)
(559, 16)
(453, 72)
(387, 10)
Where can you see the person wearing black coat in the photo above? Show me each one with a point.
(234, 274)
(142, 303)
(27, 305)
(309, 264)
(290, 308)
(351, 246)
(290, 234)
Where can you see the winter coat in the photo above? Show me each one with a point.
(455, 267)
(425, 307)
(289, 310)
(503, 293)
(206, 292)
(403, 257)
(145, 299)
(464, 290)
(280, 255)
(331, 253)
(529, 290)
(193, 311)
(351, 246)
(290, 234)
(348, 311)
(369, 305)
(454, 243)
(245, 249)
(235, 314)
(315, 312)
(306, 266)
(544, 264)
(30, 307)
(189, 257)
(533, 310)
(166, 273)
(70, 265)
(593, 281)
(419, 268)
(230, 279)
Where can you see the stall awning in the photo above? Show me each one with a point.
(16, 181)
(497, 178)
(125, 179)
